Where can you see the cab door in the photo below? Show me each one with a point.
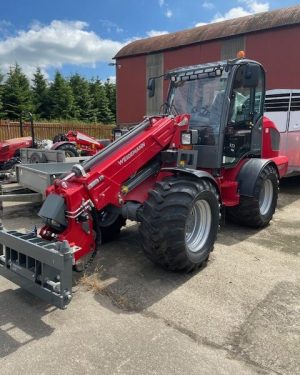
(243, 131)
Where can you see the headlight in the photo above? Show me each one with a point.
(186, 138)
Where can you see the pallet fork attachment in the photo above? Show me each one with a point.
(41, 267)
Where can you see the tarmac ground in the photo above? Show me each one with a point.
(239, 315)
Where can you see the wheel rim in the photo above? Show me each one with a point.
(198, 226)
(265, 197)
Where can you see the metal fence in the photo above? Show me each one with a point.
(11, 129)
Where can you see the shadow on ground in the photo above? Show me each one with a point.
(123, 273)
(283, 229)
(21, 320)
(289, 191)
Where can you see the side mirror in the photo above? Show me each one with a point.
(151, 87)
(252, 75)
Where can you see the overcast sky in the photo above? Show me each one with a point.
(82, 37)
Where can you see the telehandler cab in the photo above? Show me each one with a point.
(173, 173)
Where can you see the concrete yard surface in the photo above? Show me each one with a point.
(238, 315)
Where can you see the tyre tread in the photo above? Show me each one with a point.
(248, 212)
(167, 207)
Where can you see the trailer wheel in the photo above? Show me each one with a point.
(70, 150)
(110, 222)
(257, 211)
(180, 222)
(37, 158)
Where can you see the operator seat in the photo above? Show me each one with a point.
(209, 132)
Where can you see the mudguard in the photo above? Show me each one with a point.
(249, 173)
(56, 145)
(192, 172)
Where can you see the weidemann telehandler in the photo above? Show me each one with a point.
(174, 173)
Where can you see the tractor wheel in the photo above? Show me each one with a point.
(180, 222)
(37, 158)
(110, 222)
(70, 150)
(257, 211)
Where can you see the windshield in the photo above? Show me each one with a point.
(202, 98)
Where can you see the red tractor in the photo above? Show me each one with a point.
(175, 173)
(73, 143)
(84, 144)
(10, 148)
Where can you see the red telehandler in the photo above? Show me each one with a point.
(174, 173)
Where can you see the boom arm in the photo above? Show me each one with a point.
(98, 183)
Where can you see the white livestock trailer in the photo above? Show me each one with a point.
(282, 106)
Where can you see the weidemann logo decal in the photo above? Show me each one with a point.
(131, 153)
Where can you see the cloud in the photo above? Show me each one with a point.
(200, 24)
(6, 28)
(208, 5)
(5, 25)
(56, 44)
(156, 32)
(250, 7)
(168, 13)
(255, 7)
(232, 13)
(111, 26)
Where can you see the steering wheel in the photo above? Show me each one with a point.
(169, 109)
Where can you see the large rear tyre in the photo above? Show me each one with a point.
(180, 222)
(70, 150)
(257, 211)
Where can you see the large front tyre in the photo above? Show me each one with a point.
(257, 211)
(180, 222)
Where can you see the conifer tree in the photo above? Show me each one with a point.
(61, 101)
(16, 93)
(82, 98)
(101, 103)
(40, 97)
(74, 98)
(1, 96)
(110, 90)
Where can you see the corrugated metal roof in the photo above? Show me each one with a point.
(261, 21)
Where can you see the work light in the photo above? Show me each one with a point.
(117, 133)
(186, 138)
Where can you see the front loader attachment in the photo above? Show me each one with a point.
(43, 268)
